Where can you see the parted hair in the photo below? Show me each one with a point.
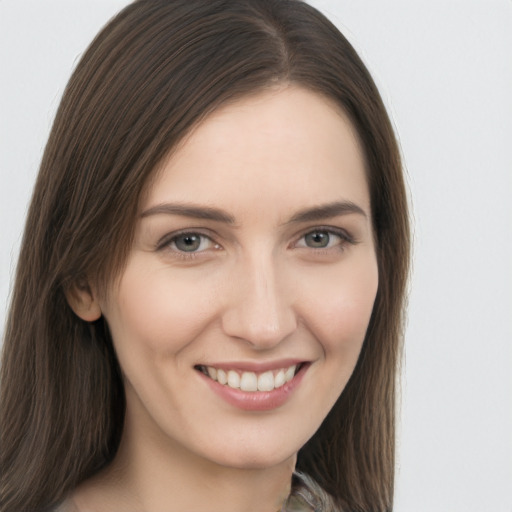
(155, 71)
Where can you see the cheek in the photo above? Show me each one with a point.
(156, 312)
(340, 308)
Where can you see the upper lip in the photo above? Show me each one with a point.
(255, 366)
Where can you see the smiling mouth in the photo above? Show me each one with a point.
(251, 381)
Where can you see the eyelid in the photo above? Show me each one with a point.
(164, 242)
(345, 236)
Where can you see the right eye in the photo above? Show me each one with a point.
(190, 243)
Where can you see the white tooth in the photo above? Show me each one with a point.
(288, 376)
(212, 372)
(249, 382)
(279, 379)
(233, 379)
(221, 377)
(266, 381)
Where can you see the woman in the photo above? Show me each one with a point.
(207, 308)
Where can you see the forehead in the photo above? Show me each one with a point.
(284, 148)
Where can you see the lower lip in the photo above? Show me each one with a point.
(256, 400)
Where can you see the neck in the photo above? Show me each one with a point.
(151, 475)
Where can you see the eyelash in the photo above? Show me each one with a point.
(344, 236)
(167, 242)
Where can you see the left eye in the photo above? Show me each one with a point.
(191, 242)
(320, 239)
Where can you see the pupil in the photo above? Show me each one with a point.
(317, 239)
(188, 243)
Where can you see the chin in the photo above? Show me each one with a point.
(256, 454)
(258, 461)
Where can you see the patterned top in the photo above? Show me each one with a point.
(306, 496)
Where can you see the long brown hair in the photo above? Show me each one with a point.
(156, 70)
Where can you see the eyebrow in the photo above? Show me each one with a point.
(327, 211)
(314, 213)
(189, 210)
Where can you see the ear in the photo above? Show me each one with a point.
(82, 300)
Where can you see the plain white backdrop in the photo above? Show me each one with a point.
(444, 68)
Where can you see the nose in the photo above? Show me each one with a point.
(259, 308)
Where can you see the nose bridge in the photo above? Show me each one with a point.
(260, 310)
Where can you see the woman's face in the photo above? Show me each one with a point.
(253, 263)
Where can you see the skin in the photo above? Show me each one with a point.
(256, 289)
